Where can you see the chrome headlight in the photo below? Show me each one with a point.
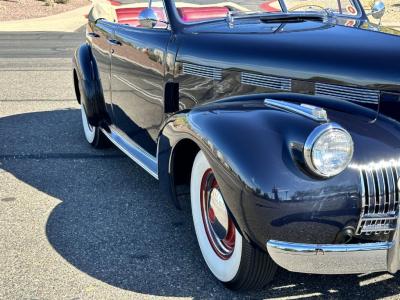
(328, 150)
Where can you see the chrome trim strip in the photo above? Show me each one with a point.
(136, 88)
(363, 203)
(381, 191)
(391, 187)
(332, 258)
(312, 112)
(380, 216)
(376, 228)
(371, 191)
(348, 93)
(396, 203)
(133, 151)
(202, 71)
(266, 81)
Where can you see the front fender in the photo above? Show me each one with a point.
(90, 87)
(255, 152)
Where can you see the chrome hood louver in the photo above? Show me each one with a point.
(358, 95)
(271, 82)
(347, 93)
(202, 71)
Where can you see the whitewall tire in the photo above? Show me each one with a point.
(93, 135)
(89, 131)
(230, 258)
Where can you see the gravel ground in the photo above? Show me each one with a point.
(77, 223)
(27, 9)
(392, 14)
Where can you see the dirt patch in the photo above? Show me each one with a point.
(27, 9)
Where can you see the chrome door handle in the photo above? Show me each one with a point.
(114, 42)
(93, 34)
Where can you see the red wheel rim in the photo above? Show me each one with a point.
(218, 226)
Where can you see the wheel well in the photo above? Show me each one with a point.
(76, 87)
(182, 161)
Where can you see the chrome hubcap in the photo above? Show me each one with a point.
(218, 225)
(218, 215)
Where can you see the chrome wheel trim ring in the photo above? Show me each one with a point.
(218, 226)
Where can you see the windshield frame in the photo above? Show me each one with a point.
(361, 15)
(360, 10)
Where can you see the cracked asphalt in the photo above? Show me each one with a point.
(78, 223)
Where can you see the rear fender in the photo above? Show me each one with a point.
(90, 89)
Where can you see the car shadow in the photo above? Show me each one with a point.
(113, 224)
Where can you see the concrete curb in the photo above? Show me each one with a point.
(68, 21)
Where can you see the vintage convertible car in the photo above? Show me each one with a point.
(280, 117)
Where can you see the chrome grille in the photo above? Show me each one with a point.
(379, 198)
(202, 71)
(272, 82)
(348, 93)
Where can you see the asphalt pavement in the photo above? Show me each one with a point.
(79, 223)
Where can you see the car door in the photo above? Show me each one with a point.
(137, 77)
(99, 34)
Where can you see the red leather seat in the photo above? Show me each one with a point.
(190, 14)
(130, 16)
(267, 6)
(114, 2)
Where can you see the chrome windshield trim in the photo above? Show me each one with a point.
(309, 111)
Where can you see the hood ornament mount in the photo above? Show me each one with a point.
(309, 111)
(230, 19)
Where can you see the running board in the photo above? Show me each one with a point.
(133, 151)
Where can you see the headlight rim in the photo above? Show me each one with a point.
(312, 139)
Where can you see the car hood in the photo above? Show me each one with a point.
(309, 51)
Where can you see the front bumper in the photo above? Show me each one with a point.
(336, 259)
(355, 258)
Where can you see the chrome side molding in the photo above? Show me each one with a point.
(309, 111)
(133, 151)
